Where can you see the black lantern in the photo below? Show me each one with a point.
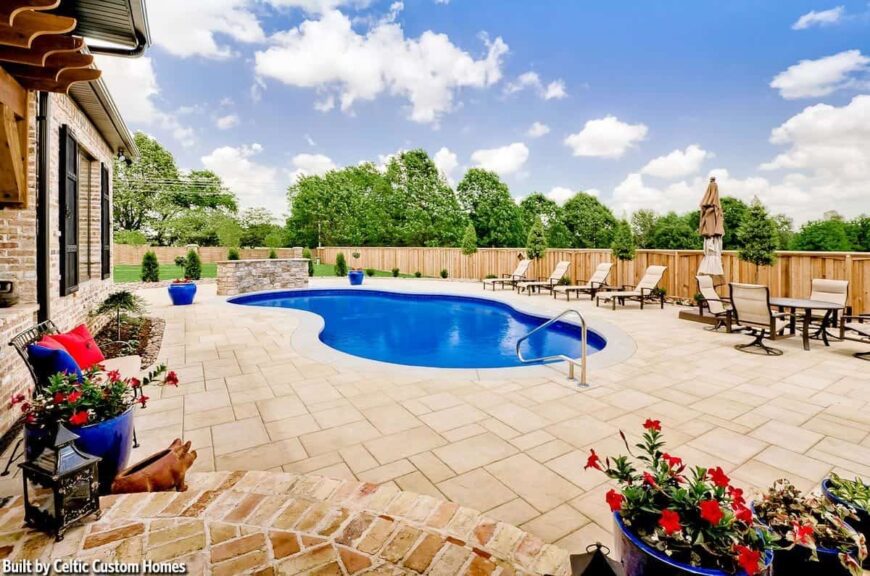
(61, 485)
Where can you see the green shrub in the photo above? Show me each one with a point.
(444, 272)
(180, 261)
(193, 266)
(150, 267)
(469, 240)
(418, 274)
(272, 254)
(490, 276)
(233, 254)
(623, 245)
(536, 243)
(306, 253)
(395, 272)
(340, 265)
(131, 237)
(370, 271)
(564, 281)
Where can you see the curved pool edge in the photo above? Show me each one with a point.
(306, 340)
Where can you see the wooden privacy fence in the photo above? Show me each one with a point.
(127, 254)
(790, 276)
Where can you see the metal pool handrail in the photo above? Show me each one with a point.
(571, 361)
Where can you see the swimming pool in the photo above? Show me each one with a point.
(434, 330)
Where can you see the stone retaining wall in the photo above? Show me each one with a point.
(242, 276)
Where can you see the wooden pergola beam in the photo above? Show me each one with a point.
(41, 48)
(12, 8)
(28, 25)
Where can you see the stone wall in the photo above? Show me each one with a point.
(242, 276)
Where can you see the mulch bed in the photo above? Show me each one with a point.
(148, 332)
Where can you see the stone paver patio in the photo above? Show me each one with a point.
(258, 394)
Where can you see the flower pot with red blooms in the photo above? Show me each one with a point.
(814, 538)
(672, 520)
(99, 408)
(182, 292)
(855, 495)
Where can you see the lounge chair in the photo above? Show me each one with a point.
(857, 329)
(546, 283)
(644, 291)
(752, 312)
(518, 275)
(714, 304)
(598, 281)
(834, 291)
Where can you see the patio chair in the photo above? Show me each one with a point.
(716, 306)
(559, 272)
(595, 283)
(856, 328)
(835, 291)
(518, 275)
(644, 291)
(752, 312)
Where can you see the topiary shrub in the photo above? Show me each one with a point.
(395, 272)
(193, 266)
(306, 253)
(444, 272)
(180, 261)
(490, 276)
(272, 254)
(233, 254)
(418, 274)
(340, 265)
(150, 267)
(370, 271)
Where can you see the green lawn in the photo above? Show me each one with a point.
(132, 272)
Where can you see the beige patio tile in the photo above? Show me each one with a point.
(235, 436)
(521, 419)
(339, 471)
(309, 465)
(533, 482)
(570, 467)
(582, 432)
(291, 427)
(794, 463)
(478, 489)
(454, 417)
(549, 450)
(500, 429)
(433, 468)
(146, 421)
(728, 445)
(246, 410)
(221, 368)
(532, 439)
(391, 418)
(337, 416)
(555, 524)
(440, 401)
(577, 541)
(386, 449)
(279, 408)
(787, 436)
(262, 457)
(324, 441)
(457, 434)
(387, 472)
(515, 512)
(474, 452)
(417, 483)
(358, 458)
(759, 476)
(209, 418)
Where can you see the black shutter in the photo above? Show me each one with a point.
(69, 212)
(105, 224)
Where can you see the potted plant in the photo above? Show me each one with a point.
(182, 292)
(671, 520)
(854, 494)
(356, 273)
(817, 540)
(98, 407)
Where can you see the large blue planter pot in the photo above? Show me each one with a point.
(182, 294)
(862, 524)
(111, 440)
(640, 559)
(356, 277)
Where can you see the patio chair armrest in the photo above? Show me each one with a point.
(782, 315)
(627, 286)
(859, 318)
(597, 285)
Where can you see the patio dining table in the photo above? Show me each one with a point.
(807, 305)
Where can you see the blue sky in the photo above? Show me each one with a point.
(637, 101)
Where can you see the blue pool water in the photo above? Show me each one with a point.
(427, 330)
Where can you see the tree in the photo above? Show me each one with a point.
(276, 238)
(150, 267)
(536, 243)
(229, 232)
(675, 232)
(858, 230)
(784, 231)
(535, 205)
(823, 235)
(257, 224)
(469, 240)
(623, 245)
(340, 265)
(131, 237)
(121, 302)
(757, 236)
(491, 209)
(643, 224)
(233, 254)
(590, 223)
(733, 213)
(306, 253)
(192, 265)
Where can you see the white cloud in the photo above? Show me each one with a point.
(560, 194)
(537, 129)
(504, 160)
(531, 80)
(227, 122)
(311, 165)
(821, 18)
(310, 140)
(328, 55)
(677, 164)
(606, 137)
(255, 184)
(192, 27)
(318, 6)
(133, 85)
(447, 162)
(815, 78)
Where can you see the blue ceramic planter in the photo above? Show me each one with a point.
(111, 440)
(356, 277)
(862, 524)
(640, 559)
(182, 294)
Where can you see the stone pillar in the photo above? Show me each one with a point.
(242, 276)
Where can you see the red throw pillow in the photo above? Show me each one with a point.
(81, 346)
(50, 343)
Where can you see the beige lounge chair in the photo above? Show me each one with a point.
(518, 275)
(598, 281)
(645, 290)
(856, 329)
(714, 304)
(752, 312)
(546, 284)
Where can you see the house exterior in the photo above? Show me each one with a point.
(60, 134)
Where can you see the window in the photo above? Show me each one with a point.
(105, 224)
(69, 212)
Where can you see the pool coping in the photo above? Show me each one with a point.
(306, 340)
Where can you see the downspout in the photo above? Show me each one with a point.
(134, 52)
(43, 209)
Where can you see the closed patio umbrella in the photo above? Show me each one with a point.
(712, 228)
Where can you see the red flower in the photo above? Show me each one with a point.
(593, 461)
(718, 477)
(142, 400)
(59, 397)
(113, 375)
(748, 559)
(673, 461)
(171, 378)
(710, 511)
(670, 522)
(25, 407)
(79, 418)
(30, 418)
(653, 425)
(743, 513)
(649, 479)
(736, 496)
(74, 396)
(803, 534)
(135, 382)
(614, 500)
(16, 399)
